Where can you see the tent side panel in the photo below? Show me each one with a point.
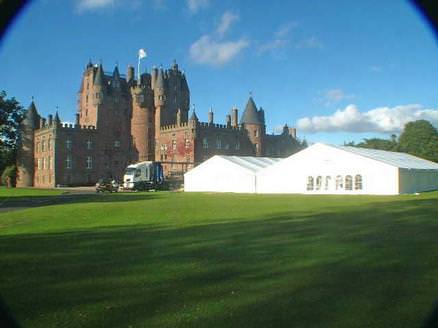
(412, 181)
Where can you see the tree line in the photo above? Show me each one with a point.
(418, 138)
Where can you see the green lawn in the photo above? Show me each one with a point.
(222, 260)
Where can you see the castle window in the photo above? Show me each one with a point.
(237, 145)
(51, 163)
(43, 148)
(44, 163)
(38, 147)
(218, 143)
(339, 183)
(89, 144)
(358, 182)
(227, 146)
(50, 144)
(68, 162)
(309, 183)
(187, 143)
(257, 147)
(39, 164)
(174, 144)
(89, 162)
(205, 143)
(256, 133)
(117, 143)
(68, 143)
(86, 98)
(348, 182)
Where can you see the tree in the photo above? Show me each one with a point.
(11, 114)
(420, 139)
(377, 143)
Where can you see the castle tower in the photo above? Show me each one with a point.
(253, 121)
(25, 154)
(142, 121)
(90, 94)
(159, 103)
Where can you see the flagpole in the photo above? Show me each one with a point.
(138, 71)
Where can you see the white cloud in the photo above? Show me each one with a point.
(376, 69)
(205, 50)
(309, 43)
(336, 95)
(285, 30)
(381, 119)
(195, 5)
(227, 19)
(272, 45)
(85, 5)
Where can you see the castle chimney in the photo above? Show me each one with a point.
(130, 74)
(50, 119)
(234, 117)
(293, 132)
(228, 120)
(210, 116)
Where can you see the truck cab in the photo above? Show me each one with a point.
(143, 176)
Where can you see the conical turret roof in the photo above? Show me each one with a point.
(98, 79)
(250, 115)
(116, 74)
(159, 83)
(31, 115)
(193, 117)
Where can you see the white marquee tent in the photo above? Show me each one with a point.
(326, 169)
(227, 174)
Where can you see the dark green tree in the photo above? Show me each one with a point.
(377, 143)
(420, 139)
(11, 114)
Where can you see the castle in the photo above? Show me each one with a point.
(123, 120)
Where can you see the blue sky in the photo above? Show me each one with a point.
(337, 70)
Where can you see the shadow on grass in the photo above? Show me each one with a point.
(365, 267)
(11, 203)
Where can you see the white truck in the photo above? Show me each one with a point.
(143, 176)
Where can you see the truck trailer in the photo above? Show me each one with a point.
(144, 176)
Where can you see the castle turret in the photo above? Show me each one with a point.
(142, 120)
(130, 75)
(25, 153)
(210, 116)
(99, 86)
(234, 117)
(253, 121)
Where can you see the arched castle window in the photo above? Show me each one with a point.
(68, 143)
(339, 183)
(43, 145)
(89, 162)
(68, 162)
(50, 144)
(358, 182)
(348, 182)
(204, 143)
(89, 144)
(218, 142)
(327, 182)
(318, 182)
(310, 183)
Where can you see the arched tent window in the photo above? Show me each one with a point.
(348, 182)
(318, 182)
(339, 183)
(358, 182)
(327, 182)
(309, 183)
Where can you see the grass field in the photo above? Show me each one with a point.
(221, 260)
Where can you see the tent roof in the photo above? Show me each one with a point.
(401, 160)
(251, 163)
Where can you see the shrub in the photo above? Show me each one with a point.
(11, 172)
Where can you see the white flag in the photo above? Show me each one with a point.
(142, 53)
